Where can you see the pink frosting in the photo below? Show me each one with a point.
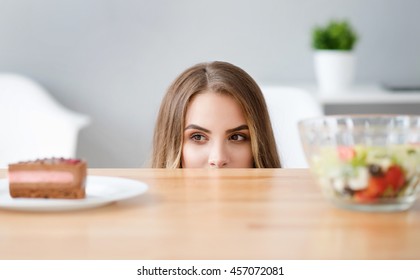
(40, 176)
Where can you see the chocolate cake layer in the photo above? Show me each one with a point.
(48, 178)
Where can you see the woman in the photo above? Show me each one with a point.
(214, 116)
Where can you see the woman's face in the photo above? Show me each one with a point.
(216, 134)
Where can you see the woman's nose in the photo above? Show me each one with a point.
(218, 157)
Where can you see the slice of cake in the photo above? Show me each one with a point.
(48, 178)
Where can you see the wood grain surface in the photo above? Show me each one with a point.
(212, 214)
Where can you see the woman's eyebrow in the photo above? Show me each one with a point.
(238, 128)
(241, 127)
(194, 126)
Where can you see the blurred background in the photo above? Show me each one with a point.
(113, 59)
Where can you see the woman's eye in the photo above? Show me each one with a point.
(237, 137)
(198, 137)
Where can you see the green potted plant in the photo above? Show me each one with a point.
(334, 56)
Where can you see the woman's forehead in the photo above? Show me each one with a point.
(214, 110)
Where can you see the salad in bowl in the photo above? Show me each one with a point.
(369, 163)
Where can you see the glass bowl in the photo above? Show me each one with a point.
(365, 162)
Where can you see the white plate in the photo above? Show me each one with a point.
(100, 190)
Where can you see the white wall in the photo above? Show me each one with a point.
(113, 59)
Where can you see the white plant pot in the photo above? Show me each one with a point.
(334, 70)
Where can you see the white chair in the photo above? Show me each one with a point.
(287, 106)
(33, 125)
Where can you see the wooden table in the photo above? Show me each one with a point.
(213, 214)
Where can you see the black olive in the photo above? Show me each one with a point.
(375, 170)
(348, 191)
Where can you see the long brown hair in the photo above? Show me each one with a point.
(220, 77)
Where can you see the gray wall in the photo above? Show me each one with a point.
(113, 59)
